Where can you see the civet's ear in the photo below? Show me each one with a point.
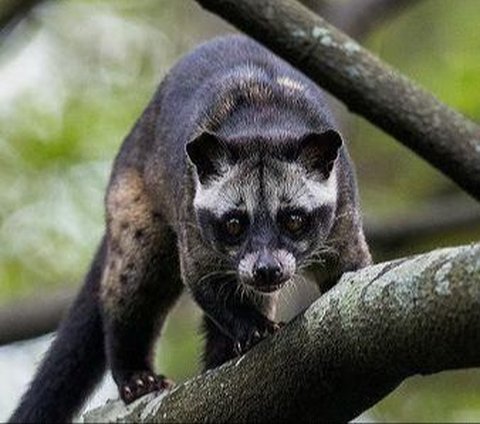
(318, 151)
(209, 155)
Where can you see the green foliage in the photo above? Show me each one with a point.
(445, 397)
(60, 135)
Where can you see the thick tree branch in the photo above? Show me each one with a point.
(364, 83)
(33, 317)
(440, 218)
(353, 346)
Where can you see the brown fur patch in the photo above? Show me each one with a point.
(138, 244)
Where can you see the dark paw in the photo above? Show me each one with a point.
(141, 383)
(248, 334)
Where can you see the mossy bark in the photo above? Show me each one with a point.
(353, 346)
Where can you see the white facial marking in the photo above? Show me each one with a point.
(284, 184)
(287, 261)
(245, 268)
(211, 196)
(297, 189)
(324, 192)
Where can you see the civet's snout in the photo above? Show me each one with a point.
(266, 270)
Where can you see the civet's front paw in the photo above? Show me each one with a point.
(249, 332)
(142, 382)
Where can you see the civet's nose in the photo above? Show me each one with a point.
(266, 270)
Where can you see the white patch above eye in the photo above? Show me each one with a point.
(322, 192)
(290, 83)
(210, 196)
(240, 186)
(297, 189)
(235, 189)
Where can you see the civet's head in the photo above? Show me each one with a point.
(265, 205)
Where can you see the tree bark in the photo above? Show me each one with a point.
(374, 90)
(353, 346)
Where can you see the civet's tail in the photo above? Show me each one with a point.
(74, 363)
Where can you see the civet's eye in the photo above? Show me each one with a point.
(234, 227)
(293, 223)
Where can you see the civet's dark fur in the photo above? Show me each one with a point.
(262, 149)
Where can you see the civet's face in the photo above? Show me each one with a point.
(267, 209)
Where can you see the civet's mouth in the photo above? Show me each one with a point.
(268, 288)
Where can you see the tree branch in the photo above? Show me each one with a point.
(13, 11)
(352, 347)
(442, 136)
(440, 218)
(33, 317)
